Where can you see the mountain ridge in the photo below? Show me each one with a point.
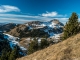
(51, 27)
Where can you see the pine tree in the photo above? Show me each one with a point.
(12, 55)
(6, 53)
(3, 56)
(33, 46)
(44, 43)
(4, 49)
(72, 26)
(15, 53)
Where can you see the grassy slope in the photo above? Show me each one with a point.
(66, 50)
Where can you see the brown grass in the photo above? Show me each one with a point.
(66, 50)
(15, 32)
(24, 42)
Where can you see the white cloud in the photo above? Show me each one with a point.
(26, 18)
(19, 18)
(52, 14)
(8, 8)
(22, 18)
(18, 15)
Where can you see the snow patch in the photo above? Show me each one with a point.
(12, 41)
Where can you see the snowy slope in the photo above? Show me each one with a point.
(53, 28)
(13, 41)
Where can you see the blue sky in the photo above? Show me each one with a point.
(21, 11)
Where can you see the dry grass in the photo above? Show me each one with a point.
(24, 42)
(66, 50)
(15, 32)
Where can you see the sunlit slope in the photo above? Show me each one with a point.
(66, 50)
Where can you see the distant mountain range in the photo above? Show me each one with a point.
(21, 34)
(50, 28)
(5, 27)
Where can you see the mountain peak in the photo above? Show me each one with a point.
(55, 20)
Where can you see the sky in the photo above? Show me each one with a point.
(22, 11)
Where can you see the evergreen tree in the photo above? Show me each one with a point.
(6, 53)
(44, 43)
(4, 50)
(33, 46)
(72, 26)
(15, 53)
(12, 55)
(3, 56)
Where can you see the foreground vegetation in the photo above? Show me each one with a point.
(72, 26)
(7, 53)
(35, 45)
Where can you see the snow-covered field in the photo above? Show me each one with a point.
(13, 41)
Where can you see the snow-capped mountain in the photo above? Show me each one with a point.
(21, 34)
(53, 27)
(50, 30)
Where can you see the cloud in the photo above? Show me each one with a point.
(26, 18)
(23, 18)
(52, 14)
(8, 8)
(18, 15)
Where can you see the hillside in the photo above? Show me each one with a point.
(51, 30)
(17, 29)
(38, 29)
(66, 50)
(6, 27)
